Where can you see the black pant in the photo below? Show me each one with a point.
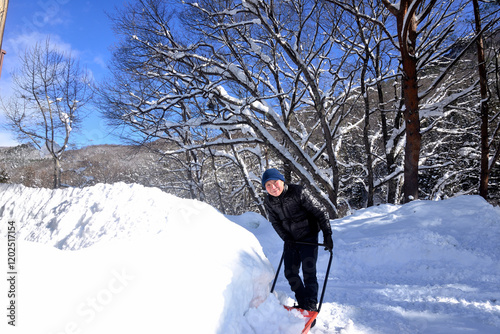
(295, 256)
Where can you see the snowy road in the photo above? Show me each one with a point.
(425, 267)
(126, 258)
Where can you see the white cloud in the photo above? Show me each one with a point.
(15, 48)
(18, 44)
(6, 136)
(6, 139)
(99, 60)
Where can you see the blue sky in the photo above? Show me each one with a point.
(81, 27)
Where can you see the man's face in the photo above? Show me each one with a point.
(274, 187)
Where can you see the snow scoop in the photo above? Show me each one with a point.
(309, 315)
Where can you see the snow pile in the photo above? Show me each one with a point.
(129, 259)
(423, 267)
(423, 241)
(156, 263)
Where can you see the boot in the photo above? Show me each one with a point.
(310, 306)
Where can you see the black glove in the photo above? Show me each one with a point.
(328, 242)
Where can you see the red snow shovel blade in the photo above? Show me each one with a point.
(309, 315)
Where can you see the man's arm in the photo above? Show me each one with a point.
(315, 208)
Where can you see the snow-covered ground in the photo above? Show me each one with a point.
(130, 259)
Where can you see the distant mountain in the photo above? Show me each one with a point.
(25, 164)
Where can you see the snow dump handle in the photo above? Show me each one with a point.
(326, 275)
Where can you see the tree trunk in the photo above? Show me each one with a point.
(366, 138)
(389, 153)
(57, 173)
(407, 35)
(332, 190)
(412, 121)
(485, 149)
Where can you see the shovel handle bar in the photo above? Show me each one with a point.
(309, 243)
(277, 272)
(326, 275)
(326, 279)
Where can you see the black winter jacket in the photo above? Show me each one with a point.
(296, 214)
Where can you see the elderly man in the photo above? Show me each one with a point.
(297, 217)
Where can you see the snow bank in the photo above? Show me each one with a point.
(424, 267)
(142, 261)
(129, 259)
(423, 241)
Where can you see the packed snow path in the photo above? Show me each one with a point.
(126, 259)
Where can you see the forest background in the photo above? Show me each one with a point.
(363, 102)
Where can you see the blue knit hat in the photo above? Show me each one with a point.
(271, 174)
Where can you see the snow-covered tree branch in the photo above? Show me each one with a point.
(51, 90)
(317, 88)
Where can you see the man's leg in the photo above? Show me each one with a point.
(292, 261)
(309, 258)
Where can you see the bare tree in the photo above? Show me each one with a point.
(407, 23)
(296, 84)
(486, 165)
(51, 90)
(494, 120)
(483, 183)
(435, 56)
(259, 68)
